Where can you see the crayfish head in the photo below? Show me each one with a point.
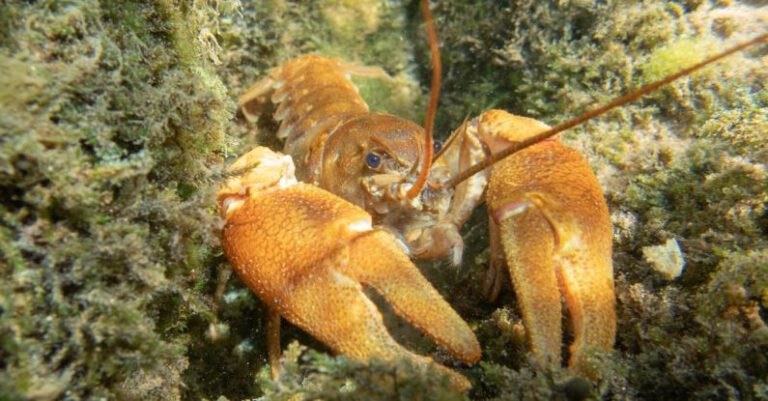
(255, 172)
(371, 160)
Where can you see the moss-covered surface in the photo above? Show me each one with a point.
(111, 120)
(116, 118)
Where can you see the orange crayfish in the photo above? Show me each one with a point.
(357, 192)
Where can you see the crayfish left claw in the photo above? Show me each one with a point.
(305, 253)
(551, 226)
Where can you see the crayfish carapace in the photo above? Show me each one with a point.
(371, 195)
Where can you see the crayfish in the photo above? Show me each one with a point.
(357, 193)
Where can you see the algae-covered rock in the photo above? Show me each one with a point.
(112, 118)
(117, 117)
(309, 375)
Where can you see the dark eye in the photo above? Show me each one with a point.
(372, 160)
(437, 146)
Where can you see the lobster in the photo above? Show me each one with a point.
(357, 192)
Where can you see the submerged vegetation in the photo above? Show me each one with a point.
(117, 117)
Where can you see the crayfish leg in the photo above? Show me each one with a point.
(273, 342)
(496, 275)
(255, 100)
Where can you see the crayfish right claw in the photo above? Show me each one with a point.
(305, 253)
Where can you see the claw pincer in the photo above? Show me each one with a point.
(306, 253)
(551, 227)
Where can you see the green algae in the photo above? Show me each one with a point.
(115, 119)
(667, 59)
(102, 120)
(312, 375)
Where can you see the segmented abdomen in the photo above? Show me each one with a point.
(314, 97)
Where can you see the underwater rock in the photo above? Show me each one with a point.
(667, 259)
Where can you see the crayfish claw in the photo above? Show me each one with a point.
(379, 263)
(305, 253)
(553, 229)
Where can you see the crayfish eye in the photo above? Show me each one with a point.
(437, 146)
(373, 160)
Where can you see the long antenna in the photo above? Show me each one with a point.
(434, 94)
(518, 146)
